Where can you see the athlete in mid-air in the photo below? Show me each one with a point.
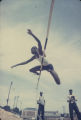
(38, 54)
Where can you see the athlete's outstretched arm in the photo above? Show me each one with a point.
(38, 41)
(23, 63)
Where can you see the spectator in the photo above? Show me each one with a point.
(72, 105)
(41, 103)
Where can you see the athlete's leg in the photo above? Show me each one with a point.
(55, 76)
(35, 69)
(53, 73)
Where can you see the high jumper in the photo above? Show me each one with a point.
(38, 55)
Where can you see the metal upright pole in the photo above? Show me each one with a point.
(9, 93)
(17, 100)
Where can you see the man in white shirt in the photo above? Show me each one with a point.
(41, 103)
(73, 106)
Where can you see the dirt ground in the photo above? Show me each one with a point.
(4, 115)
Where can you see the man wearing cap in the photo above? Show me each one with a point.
(73, 106)
(41, 103)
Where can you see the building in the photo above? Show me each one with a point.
(31, 113)
(51, 115)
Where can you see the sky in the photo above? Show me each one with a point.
(63, 51)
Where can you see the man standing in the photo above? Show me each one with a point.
(72, 105)
(41, 103)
